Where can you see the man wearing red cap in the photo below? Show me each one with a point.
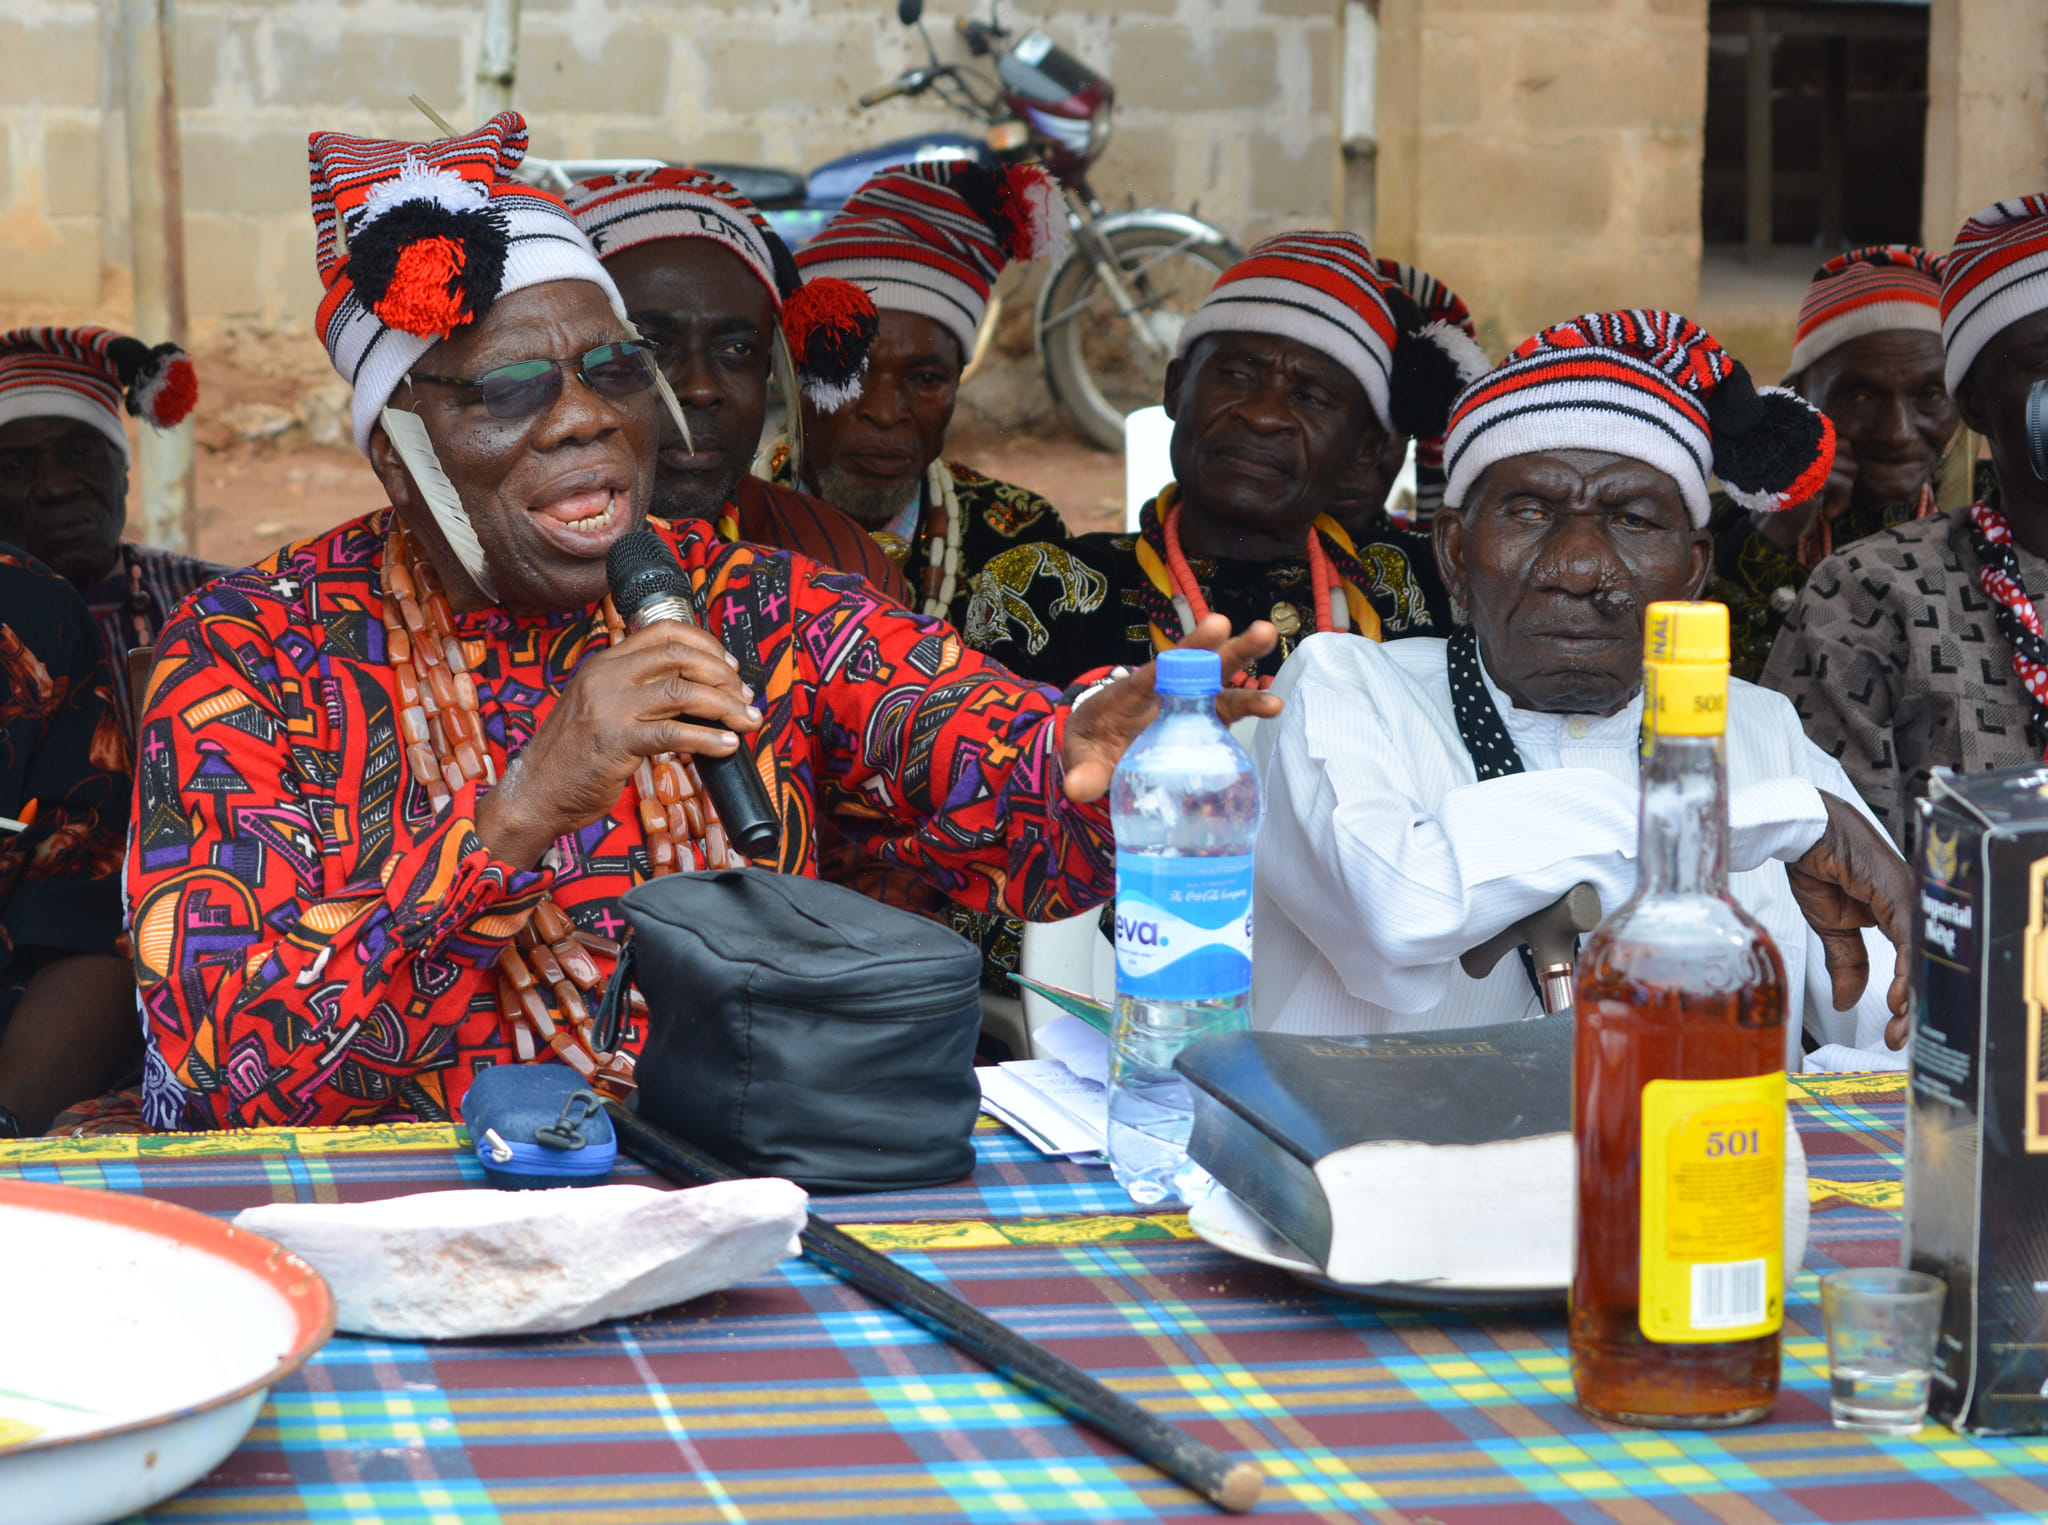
(395, 780)
(1290, 379)
(1422, 796)
(64, 476)
(1920, 647)
(926, 243)
(713, 288)
(1868, 354)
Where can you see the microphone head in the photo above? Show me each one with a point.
(640, 568)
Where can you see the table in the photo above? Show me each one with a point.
(794, 1398)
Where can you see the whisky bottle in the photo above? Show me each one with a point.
(1678, 1086)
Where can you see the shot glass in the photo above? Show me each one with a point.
(1882, 1325)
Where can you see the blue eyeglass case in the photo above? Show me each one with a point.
(537, 1125)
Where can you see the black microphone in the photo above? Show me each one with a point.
(647, 585)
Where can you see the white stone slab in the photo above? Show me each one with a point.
(451, 1265)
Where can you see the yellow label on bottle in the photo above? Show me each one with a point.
(1675, 630)
(1713, 1218)
(1684, 699)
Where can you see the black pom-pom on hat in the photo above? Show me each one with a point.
(1433, 363)
(159, 384)
(1772, 448)
(1019, 204)
(831, 326)
(427, 268)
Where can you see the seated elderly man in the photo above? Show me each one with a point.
(67, 995)
(1360, 503)
(713, 289)
(1423, 796)
(1920, 647)
(394, 780)
(64, 476)
(926, 242)
(1868, 354)
(1291, 377)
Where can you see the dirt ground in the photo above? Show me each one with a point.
(274, 462)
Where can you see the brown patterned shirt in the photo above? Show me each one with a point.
(1894, 661)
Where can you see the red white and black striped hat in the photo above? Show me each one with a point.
(93, 375)
(1996, 274)
(829, 323)
(1867, 291)
(932, 238)
(1651, 385)
(1439, 304)
(1326, 290)
(414, 240)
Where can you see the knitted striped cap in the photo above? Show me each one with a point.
(91, 375)
(1867, 291)
(1652, 385)
(1439, 304)
(932, 238)
(414, 240)
(1996, 274)
(1326, 290)
(830, 324)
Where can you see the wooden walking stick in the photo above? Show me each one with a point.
(1232, 1485)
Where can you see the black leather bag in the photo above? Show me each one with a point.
(800, 1029)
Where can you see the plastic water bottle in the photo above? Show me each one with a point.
(1186, 806)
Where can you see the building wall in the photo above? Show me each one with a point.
(1225, 103)
(1543, 156)
(1987, 110)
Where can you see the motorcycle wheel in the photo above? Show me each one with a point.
(1097, 369)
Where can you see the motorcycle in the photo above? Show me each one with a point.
(1109, 315)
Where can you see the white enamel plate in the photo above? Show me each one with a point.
(138, 1340)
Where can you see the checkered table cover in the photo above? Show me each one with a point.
(794, 1398)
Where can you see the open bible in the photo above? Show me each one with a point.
(1401, 1157)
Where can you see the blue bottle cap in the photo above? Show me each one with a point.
(1188, 672)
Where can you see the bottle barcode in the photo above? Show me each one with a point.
(1728, 1295)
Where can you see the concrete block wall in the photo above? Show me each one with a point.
(1222, 103)
(1987, 115)
(1543, 156)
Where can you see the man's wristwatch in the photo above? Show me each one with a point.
(10, 1125)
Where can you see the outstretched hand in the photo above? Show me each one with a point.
(1850, 879)
(1099, 731)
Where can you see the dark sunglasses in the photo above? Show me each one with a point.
(527, 387)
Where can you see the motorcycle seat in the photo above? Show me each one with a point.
(760, 183)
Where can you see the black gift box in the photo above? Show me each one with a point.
(1977, 1103)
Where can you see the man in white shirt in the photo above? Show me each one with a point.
(1425, 795)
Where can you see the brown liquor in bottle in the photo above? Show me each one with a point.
(1678, 1089)
(1636, 1024)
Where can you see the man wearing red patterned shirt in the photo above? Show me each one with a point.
(369, 762)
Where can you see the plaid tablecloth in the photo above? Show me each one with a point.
(794, 1398)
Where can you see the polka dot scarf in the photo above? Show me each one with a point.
(1485, 734)
(1998, 573)
(1494, 754)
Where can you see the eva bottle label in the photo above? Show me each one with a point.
(1183, 926)
(1713, 1213)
